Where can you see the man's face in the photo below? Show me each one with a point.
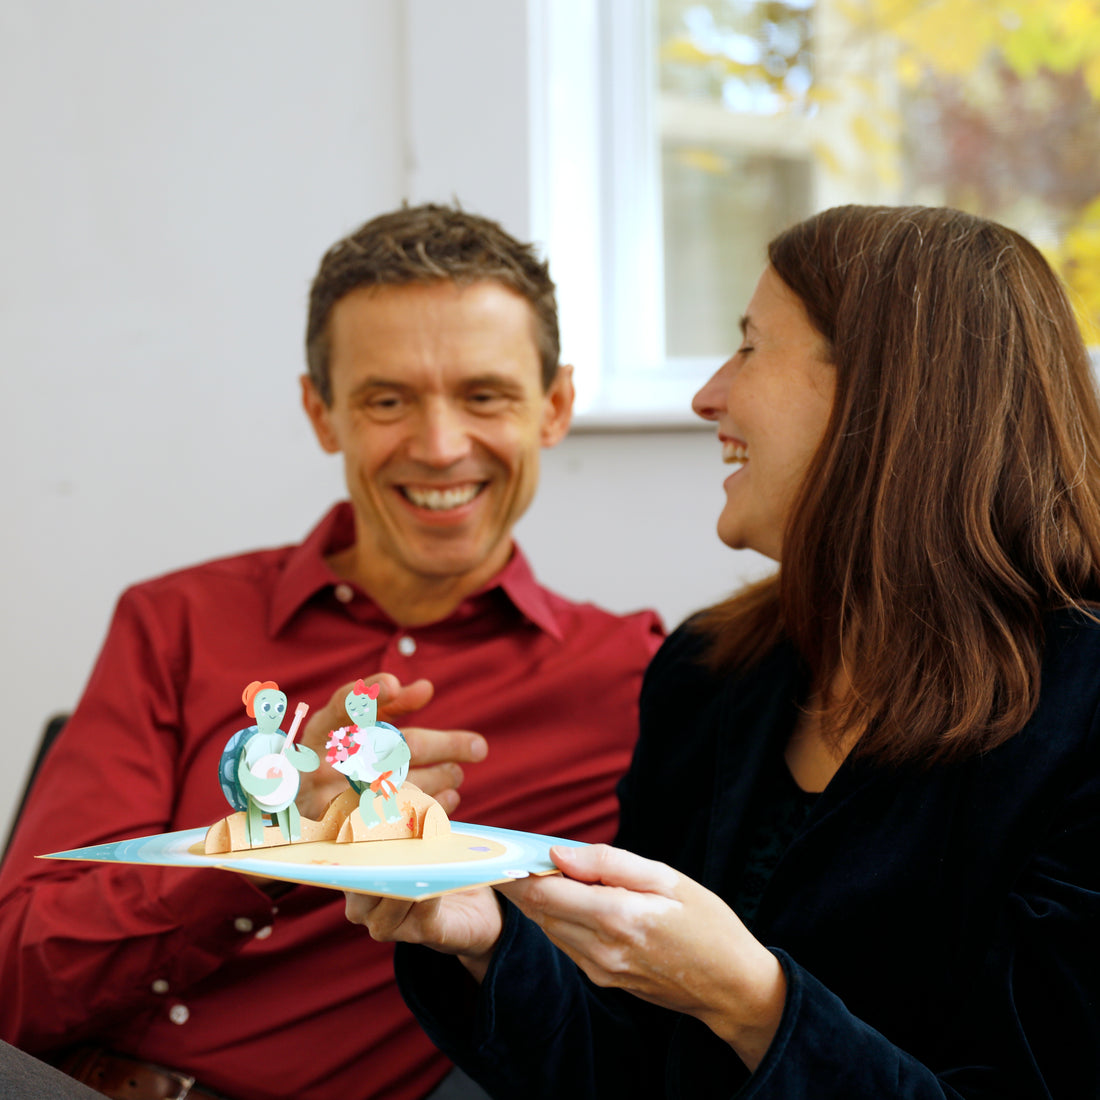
(439, 412)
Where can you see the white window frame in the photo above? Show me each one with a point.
(597, 209)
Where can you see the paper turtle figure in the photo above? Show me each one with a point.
(259, 766)
(373, 755)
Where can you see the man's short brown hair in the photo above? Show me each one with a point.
(426, 244)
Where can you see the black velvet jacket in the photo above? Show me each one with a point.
(939, 929)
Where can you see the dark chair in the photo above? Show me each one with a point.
(49, 734)
(25, 1078)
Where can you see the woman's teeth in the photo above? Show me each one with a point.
(440, 500)
(735, 452)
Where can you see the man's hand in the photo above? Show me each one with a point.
(465, 924)
(435, 767)
(437, 755)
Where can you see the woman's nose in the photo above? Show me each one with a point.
(710, 401)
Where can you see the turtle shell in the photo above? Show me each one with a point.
(227, 767)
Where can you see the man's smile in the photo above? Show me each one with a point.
(442, 499)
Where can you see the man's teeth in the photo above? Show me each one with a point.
(439, 500)
(735, 452)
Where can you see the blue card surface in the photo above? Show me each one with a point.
(413, 869)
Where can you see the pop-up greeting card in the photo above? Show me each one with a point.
(383, 835)
(259, 776)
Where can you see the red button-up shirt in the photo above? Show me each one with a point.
(198, 969)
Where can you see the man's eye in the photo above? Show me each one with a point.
(485, 398)
(384, 404)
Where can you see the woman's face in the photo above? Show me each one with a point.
(771, 403)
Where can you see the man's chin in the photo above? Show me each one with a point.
(440, 564)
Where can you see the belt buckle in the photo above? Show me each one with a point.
(185, 1083)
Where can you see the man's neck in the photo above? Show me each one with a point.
(411, 599)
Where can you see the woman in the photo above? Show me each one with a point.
(859, 854)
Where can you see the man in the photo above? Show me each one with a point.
(433, 370)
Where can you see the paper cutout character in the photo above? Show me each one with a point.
(259, 766)
(373, 755)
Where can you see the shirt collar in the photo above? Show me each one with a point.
(306, 572)
(518, 583)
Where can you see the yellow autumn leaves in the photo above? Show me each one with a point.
(1003, 94)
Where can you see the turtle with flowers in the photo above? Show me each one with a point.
(372, 754)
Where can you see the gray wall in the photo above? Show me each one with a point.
(172, 172)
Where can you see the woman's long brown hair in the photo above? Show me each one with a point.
(956, 495)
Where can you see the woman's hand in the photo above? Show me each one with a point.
(631, 923)
(465, 924)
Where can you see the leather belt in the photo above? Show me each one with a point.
(123, 1078)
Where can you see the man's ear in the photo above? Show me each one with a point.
(319, 416)
(557, 409)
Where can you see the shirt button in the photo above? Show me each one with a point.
(344, 593)
(179, 1014)
(160, 986)
(242, 924)
(406, 646)
(264, 932)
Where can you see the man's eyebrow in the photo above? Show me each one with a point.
(376, 382)
(489, 379)
(745, 323)
(500, 381)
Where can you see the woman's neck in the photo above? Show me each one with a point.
(812, 758)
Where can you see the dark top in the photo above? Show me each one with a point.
(780, 808)
(938, 928)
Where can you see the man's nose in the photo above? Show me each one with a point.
(710, 401)
(441, 437)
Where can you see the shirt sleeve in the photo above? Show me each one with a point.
(84, 943)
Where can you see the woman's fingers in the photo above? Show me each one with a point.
(616, 867)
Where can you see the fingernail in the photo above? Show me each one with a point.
(479, 748)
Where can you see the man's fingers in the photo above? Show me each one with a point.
(396, 699)
(441, 782)
(430, 747)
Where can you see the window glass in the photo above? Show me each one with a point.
(770, 109)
